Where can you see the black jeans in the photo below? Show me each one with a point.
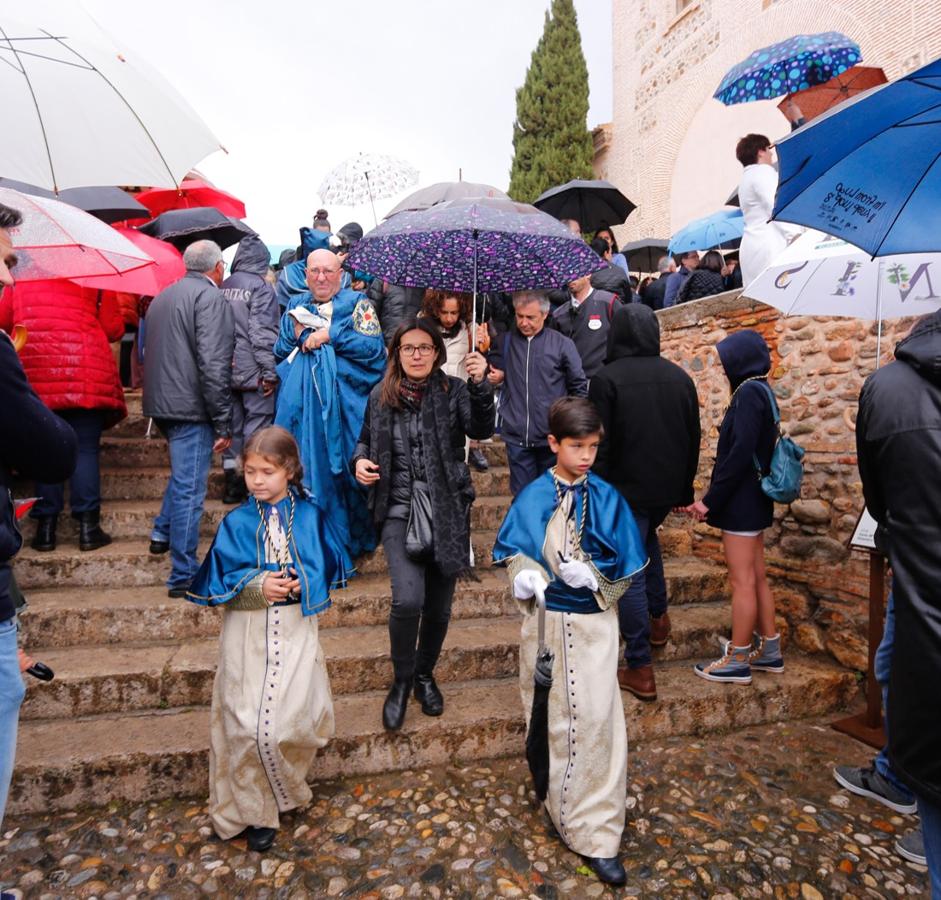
(85, 483)
(421, 606)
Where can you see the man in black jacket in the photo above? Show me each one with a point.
(257, 317)
(36, 444)
(898, 442)
(655, 292)
(586, 318)
(650, 453)
(187, 391)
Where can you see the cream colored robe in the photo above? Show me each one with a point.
(271, 711)
(587, 730)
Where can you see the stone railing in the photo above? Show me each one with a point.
(818, 368)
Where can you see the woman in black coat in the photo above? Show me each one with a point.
(414, 431)
(705, 280)
(736, 504)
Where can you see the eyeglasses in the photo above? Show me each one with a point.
(325, 272)
(417, 349)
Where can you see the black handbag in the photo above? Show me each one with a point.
(419, 537)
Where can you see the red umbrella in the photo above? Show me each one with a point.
(168, 267)
(818, 99)
(191, 193)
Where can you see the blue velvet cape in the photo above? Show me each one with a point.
(322, 400)
(610, 538)
(237, 555)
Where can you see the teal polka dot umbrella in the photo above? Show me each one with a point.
(793, 65)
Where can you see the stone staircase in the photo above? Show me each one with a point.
(127, 714)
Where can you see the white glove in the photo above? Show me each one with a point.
(528, 583)
(577, 574)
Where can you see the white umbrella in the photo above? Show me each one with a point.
(79, 112)
(367, 176)
(819, 275)
(57, 240)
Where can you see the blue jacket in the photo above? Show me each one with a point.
(735, 499)
(538, 370)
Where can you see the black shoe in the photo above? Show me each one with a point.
(90, 535)
(45, 537)
(235, 490)
(159, 547)
(179, 591)
(393, 710)
(477, 460)
(260, 839)
(428, 695)
(608, 869)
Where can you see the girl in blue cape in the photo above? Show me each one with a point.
(570, 537)
(271, 568)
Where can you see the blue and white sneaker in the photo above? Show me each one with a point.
(765, 655)
(732, 667)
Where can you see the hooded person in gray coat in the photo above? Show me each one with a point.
(257, 317)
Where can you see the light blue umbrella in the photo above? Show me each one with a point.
(721, 229)
(793, 65)
(868, 171)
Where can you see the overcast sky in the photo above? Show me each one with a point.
(293, 87)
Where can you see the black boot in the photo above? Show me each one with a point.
(259, 839)
(90, 535)
(428, 695)
(235, 490)
(477, 460)
(608, 869)
(45, 537)
(393, 710)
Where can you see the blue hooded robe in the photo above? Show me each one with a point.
(610, 540)
(322, 400)
(237, 555)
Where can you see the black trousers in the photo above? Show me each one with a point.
(421, 606)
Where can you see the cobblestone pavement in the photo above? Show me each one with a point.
(756, 814)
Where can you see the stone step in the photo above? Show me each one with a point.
(124, 519)
(131, 677)
(129, 562)
(134, 451)
(66, 764)
(149, 483)
(75, 615)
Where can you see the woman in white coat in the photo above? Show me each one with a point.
(762, 240)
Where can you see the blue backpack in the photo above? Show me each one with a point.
(783, 481)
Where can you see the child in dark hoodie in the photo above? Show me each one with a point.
(736, 504)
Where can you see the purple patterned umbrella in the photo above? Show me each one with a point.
(475, 244)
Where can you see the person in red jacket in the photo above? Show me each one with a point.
(69, 363)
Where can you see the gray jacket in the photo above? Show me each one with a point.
(188, 348)
(256, 312)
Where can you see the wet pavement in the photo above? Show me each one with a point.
(754, 814)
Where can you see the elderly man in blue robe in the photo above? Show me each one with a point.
(331, 352)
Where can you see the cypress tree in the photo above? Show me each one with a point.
(551, 140)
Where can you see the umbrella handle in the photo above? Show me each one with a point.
(540, 598)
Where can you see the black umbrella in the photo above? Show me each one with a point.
(593, 204)
(537, 738)
(643, 255)
(108, 203)
(181, 227)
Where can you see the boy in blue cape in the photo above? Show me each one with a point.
(331, 353)
(570, 537)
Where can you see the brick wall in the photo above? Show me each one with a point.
(818, 368)
(666, 67)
